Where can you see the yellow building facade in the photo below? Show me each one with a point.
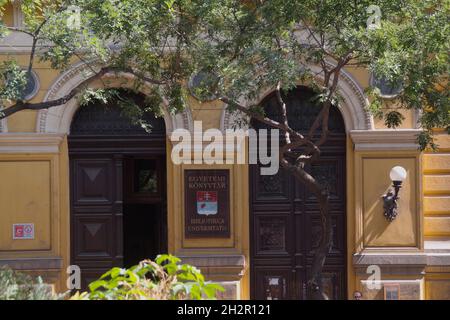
(412, 253)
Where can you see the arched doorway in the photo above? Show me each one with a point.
(284, 219)
(117, 188)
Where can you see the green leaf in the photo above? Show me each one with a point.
(93, 286)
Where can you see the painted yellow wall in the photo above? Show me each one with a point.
(437, 285)
(25, 121)
(237, 243)
(436, 202)
(28, 179)
(34, 189)
(407, 123)
(207, 112)
(372, 181)
(436, 185)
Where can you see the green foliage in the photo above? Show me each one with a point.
(19, 286)
(412, 48)
(162, 279)
(129, 108)
(251, 46)
(13, 81)
(257, 44)
(425, 139)
(393, 119)
(99, 96)
(204, 85)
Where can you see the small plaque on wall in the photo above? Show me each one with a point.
(23, 231)
(207, 203)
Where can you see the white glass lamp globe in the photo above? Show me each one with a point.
(398, 173)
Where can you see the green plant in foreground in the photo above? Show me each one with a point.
(162, 279)
(15, 285)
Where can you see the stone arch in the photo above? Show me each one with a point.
(353, 107)
(58, 119)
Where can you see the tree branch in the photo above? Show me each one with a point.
(259, 117)
(283, 111)
(22, 105)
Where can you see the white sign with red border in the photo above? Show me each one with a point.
(23, 231)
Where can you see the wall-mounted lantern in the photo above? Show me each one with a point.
(398, 175)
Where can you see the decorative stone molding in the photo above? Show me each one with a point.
(401, 263)
(30, 143)
(389, 259)
(386, 139)
(33, 263)
(58, 119)
(438, 253)
(218, 267)
(15, 43)
(438, 259)
(353, 106)
(391, 265)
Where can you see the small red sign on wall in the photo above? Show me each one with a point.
(23, 231)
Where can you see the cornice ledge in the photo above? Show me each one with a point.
(438, 252)
(226, 266)
(385, 139)
(390, 259)
(47, 263)
(30, 142)
(234, 260)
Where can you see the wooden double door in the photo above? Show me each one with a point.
(284, 219)
(118, 211)
(118, 190)
(286, 231)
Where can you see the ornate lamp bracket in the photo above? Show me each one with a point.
(390, 206)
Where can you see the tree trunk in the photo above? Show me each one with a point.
(314, 283)
(314, 288)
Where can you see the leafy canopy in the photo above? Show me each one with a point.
(248, 46)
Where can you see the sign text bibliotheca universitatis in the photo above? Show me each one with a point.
(207, 203)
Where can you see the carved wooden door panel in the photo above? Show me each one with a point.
(284, 219)
(286, 231)
(96, 214)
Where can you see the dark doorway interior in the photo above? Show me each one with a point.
(144, 220)
(118, 190)
(141, 229)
